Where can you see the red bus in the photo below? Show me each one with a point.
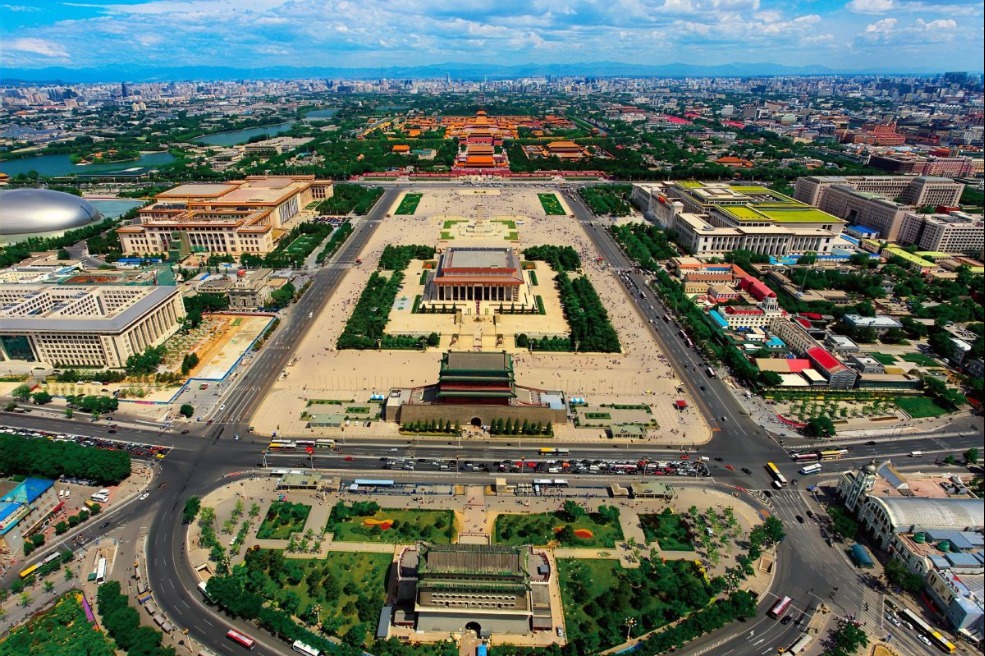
(241, 639)
(779, 608)
(804, 456)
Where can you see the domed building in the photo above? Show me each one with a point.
(41, 212)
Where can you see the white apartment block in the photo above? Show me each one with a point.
(74, 326)
(246, 216)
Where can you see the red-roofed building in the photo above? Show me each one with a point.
(756, 287)
(839, 376)
(803, 322)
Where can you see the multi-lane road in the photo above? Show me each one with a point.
(807, 568)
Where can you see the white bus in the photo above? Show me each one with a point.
(324, 444)
(203, 588)
(811, 469)
(800, 644)
(100, 497)
(101, 570)
(307, 650)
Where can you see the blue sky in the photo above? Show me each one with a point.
(842, 34)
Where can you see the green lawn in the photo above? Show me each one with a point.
(303, 244)
(551, 204)
(61, 630)
(919, 407)
(437, 526)
(409, 203)
(921, 360)
(541, 528)
(282, 519)
(883, 358)
(667, 530)
(598, 595)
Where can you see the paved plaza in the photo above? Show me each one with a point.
(638, 375)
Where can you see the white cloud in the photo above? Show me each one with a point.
(934, 25)
(41, 47)
(870, 6)
(21, 8)
(883, 26)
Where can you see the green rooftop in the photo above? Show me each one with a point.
(909, 257)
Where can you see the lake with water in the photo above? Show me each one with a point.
(55, 165)
(111, 208)
(319, 114)
(237, 137)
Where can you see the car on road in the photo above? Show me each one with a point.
(718, 459)
(185, 432)
(111, 431)
(730, 467)
(702, 388)
(810, 513)
(104, 525)
(800, 520)
(786, 619)
(924, 639)
(870, 443)
(162, 484)
(747, 471)
(349, 458)
(222, 406)
(144, 496)
(892, 619)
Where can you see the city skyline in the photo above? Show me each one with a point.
(838, 35)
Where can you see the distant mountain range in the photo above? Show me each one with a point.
(457, 71)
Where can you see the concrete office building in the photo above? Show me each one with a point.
(920, 191)
(715, 218)
(245, 216)
(98, 326)
(864, 208)
(956, 232)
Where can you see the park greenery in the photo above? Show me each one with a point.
(190, 511)
(668, 530)
(365, 327)
(364, 522)
(50, 459)
(283, 518)
(644, 243)
(122, 623)
(846, 640)
(142, 364)
(842, 522)
(611, 199)
(341, 594)
(335, 242)
(566, 527)
(199, 304)
(591, 329)
(61, 630)
(350, 198)
(92, 404)
(560, 258)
